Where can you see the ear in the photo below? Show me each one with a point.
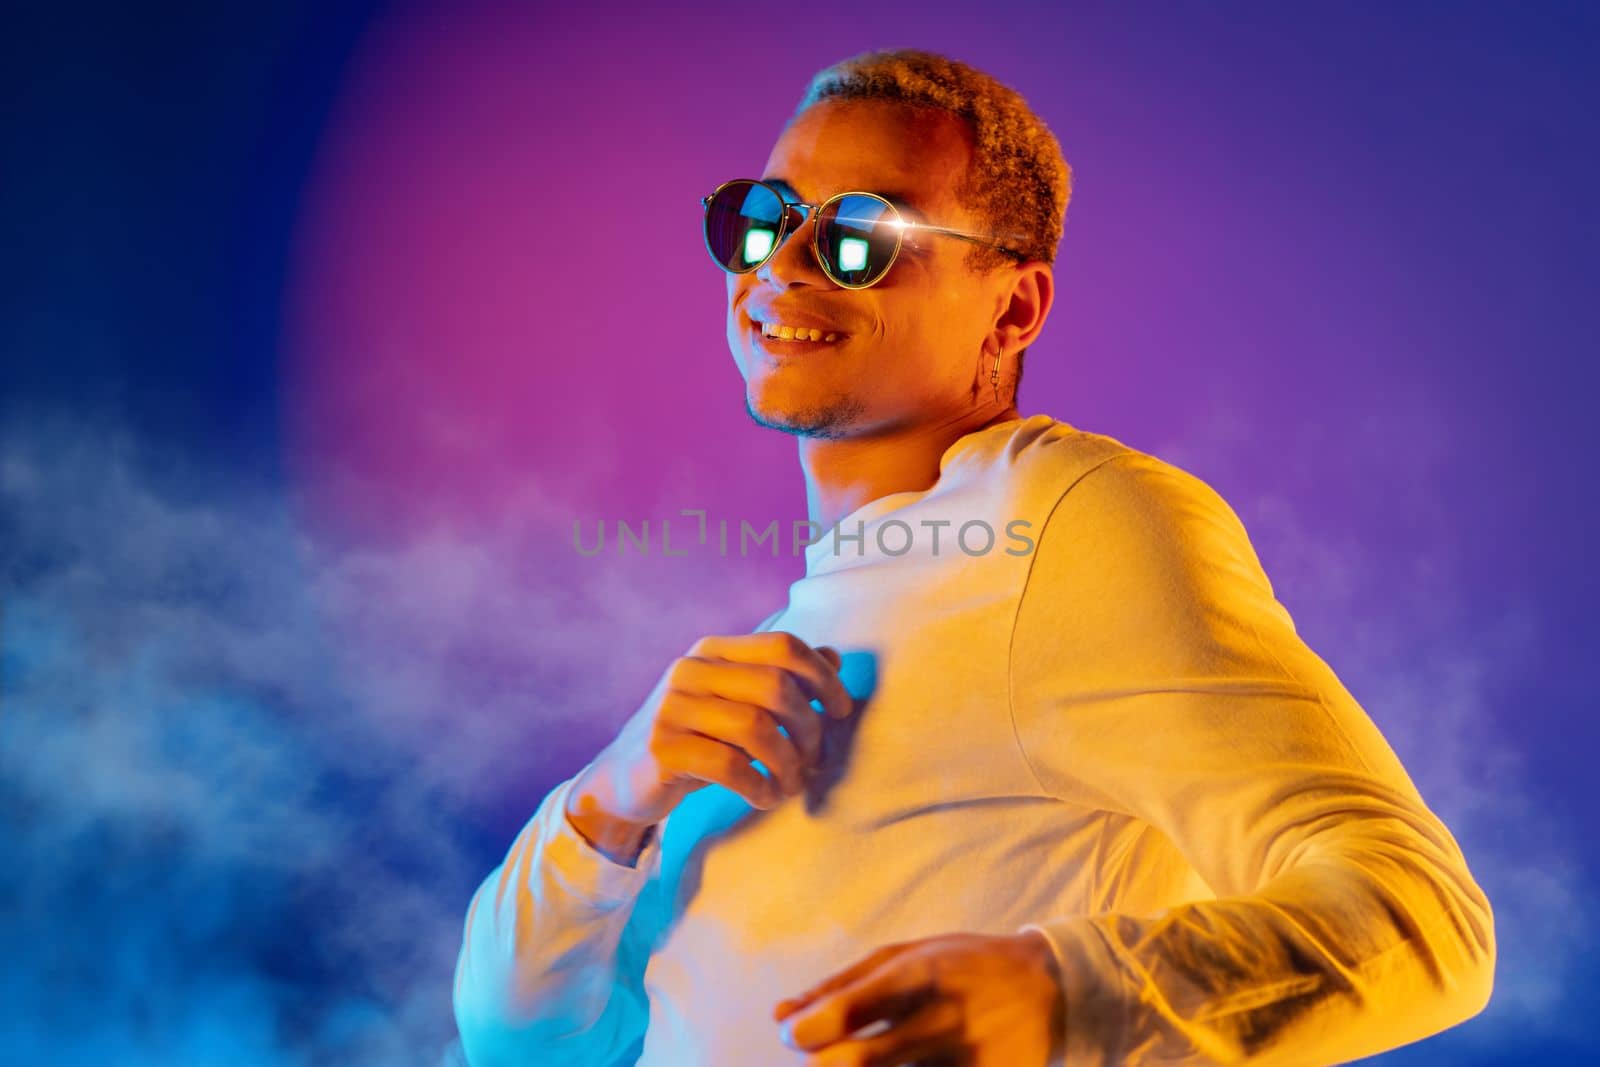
(1024, 303)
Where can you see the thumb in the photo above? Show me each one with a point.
(831, 654)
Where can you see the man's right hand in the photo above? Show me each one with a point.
(715, 709)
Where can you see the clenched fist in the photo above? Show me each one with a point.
(715, 709)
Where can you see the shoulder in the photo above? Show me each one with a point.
(1043, 456)
(1134, 494)
(1113, 507)
(1057, 469)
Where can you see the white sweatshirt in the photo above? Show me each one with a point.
(1104, 727)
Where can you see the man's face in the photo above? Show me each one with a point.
(913, 342)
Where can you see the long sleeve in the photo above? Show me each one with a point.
(555, 945)
(552, 959)
(1155, 678)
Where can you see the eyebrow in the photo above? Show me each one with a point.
(911, 212)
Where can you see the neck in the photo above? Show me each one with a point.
(844, 473)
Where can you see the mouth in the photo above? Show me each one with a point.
(779, 339)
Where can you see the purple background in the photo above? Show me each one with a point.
(315, 348)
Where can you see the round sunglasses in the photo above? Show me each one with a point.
(856, 238)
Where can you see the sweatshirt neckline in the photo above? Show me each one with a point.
(817, 552)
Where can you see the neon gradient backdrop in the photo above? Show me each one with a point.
(443, 262)
(1296, 262)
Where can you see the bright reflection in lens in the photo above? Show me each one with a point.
(852, 253)
(757, 243)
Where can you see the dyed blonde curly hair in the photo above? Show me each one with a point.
(1017, 180)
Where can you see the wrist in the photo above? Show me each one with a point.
(619, 840)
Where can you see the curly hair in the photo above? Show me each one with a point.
(1017, 180)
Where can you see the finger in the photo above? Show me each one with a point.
(885, 992)
(762, 684)
(846, 699)
(934, 1028)
(701, 758)
(817, 675)
(745, 726)
(836, 1016)
(840, 979)
(800, 721)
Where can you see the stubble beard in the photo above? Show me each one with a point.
(829, 420)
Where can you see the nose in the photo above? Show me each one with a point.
(793, 262)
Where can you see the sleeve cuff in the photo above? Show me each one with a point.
(584, 870)
(1093, 987)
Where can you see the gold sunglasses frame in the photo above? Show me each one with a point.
(900, 223)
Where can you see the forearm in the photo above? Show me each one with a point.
(1349, 953)
(539, 963)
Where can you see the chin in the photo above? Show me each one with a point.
(778, 408)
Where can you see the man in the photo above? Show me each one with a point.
(1032, 768)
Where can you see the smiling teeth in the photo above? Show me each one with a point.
(793, 333)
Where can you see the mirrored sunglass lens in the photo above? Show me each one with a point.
(742, 225)
(857, 238)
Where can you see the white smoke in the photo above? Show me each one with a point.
(235, 760)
